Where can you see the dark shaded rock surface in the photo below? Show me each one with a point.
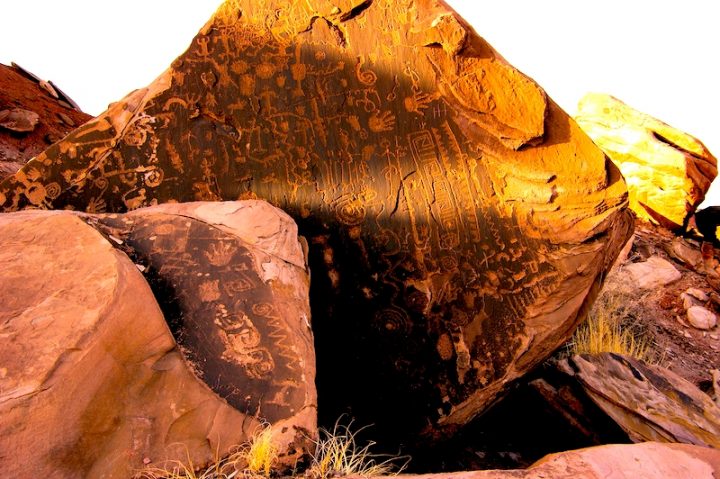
(233, 285)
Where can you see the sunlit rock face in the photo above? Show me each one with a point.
(667, 171)
(459, 222)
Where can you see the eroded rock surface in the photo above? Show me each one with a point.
(649, 402)
(667, 171)
(458, 220)
(92, 383)
(232, 281)
(31, 118)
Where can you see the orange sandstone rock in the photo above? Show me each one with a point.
(667, 171)
(648, 460)
(459, 221)
(92, 383)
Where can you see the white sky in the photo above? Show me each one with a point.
(660, 56)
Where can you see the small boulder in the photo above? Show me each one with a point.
(667, 171)
(19, 120)
(680, 250)
(232, 282)
(653, 273)
(701, 318)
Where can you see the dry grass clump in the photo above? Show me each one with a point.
(339, 454)
(610, 328)
(255, 459)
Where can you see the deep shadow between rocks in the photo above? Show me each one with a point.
(521, 428)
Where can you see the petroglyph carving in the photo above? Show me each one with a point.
(211, 287)
(444, 196)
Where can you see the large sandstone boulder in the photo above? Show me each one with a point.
(92, 383)
(667, 171)
(617, 461)
(33, 115)
(459, 221)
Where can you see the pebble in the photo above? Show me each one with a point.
(65, 119)
(697, 294)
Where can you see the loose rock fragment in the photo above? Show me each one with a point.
(19, 120)
(701, 318)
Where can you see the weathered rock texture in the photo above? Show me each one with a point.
(31, 118)
(667, 171)
(649, 402)
(656, 272)
(459, 221)
(92, 383)
(232, 281)
(638, 461)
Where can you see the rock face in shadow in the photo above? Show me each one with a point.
(667, 171)
(459, 222)
(33, 115)
(92, 383)
(649, 402)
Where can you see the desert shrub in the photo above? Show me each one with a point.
(253, 459)
(339, 454)
(611, 328)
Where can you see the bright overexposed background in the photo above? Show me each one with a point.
(660, 56)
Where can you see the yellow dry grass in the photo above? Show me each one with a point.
(606, 330)
(338, 454)
(255, 459)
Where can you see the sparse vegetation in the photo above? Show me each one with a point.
(610, 328)
(254, 459)
(337, 454)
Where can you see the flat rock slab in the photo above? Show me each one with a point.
(668, 171)
(649, 402)
(92, 383)
(654, 273)
(617, 461)
(458, 220)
